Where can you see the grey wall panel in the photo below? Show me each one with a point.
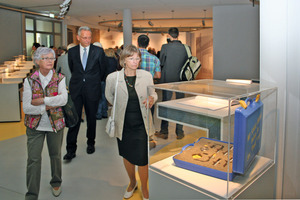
(10, 34)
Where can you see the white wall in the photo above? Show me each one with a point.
(202, 47)
(236, 42)
(112, 39)
(279, 66)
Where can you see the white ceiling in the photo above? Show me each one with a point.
(90, 12)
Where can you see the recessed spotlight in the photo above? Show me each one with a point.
(150, 23)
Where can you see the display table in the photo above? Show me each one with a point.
(13, 78)
(10, 102)
(184, 112)
(208, 184)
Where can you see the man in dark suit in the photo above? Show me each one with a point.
(87, 65)
(172, 57)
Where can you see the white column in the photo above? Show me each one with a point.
(279, 66)
(273, 68)
(127, 27)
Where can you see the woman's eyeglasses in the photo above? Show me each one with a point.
(48, 59)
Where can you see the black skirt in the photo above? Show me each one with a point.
(133, 146)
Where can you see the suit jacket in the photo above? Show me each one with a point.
(88, 80)
(143, 80)
(62, 66)
(172, 57)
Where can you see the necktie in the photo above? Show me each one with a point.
(84, 58)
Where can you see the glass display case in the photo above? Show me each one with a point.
(229, 138)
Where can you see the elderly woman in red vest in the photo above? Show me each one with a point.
(44, 94)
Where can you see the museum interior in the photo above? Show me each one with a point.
(240, 114)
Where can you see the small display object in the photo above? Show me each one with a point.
(207, 156)
(229, 135)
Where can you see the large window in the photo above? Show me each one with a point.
(46, 32)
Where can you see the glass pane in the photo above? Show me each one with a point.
(57, 41)
(43, 26)
(44, 39)
(29, 24)
(57, 28)
(29, 43)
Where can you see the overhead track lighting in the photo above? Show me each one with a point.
(64, 8)
(149, 25)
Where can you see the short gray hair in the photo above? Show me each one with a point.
(71, 46)
(98, 44)
(83, 28)
(41, 51)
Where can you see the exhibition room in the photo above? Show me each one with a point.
(226, 129)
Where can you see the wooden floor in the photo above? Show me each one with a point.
(12, 129)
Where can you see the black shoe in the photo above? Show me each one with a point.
(90, 149)
(180, 136)
(98, 118)
(104, 117)
(69, 156)
(152, 144)
(161, 135)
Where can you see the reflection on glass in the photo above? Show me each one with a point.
(29, 42)
(57, 27)
(44, 26)
(57, 41)
(29, 24)
(44, 39)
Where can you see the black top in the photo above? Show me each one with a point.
(133, 146)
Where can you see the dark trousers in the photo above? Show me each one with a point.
(90, 108)
(166, 96)
(103, 107)
(35, 143)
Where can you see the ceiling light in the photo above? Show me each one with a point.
(242, 81)
(64, 8)
(150, 23)
(65, 3)
(51, 15)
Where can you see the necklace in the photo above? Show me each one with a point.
(126, 80)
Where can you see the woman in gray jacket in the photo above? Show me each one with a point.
(131, 115)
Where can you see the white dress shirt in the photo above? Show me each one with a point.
(59, 100)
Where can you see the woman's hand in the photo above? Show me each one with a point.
(37, 102)
(151, 102)
(51, 107)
